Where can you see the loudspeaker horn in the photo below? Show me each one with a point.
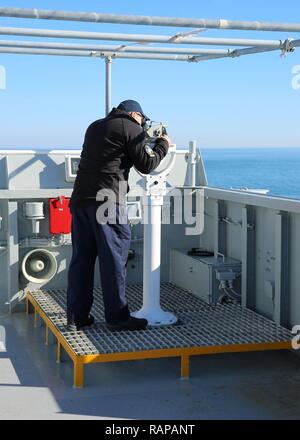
(39, 266)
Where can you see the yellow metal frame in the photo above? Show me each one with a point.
(184, 353)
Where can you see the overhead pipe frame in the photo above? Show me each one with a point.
(95, 17)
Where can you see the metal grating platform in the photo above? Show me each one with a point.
(202, 328)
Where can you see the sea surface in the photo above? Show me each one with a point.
(275, 169)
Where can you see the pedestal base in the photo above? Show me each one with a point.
(156, 318)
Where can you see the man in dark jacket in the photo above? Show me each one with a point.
(111, 147)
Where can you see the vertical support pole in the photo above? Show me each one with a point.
(152, 255)
(151, 309)
(248, 257)
(35, 318)
(78, 374)
(192, 163)
(185, 367)
(37, 322)
(108, 65)
(58, 352)
(47, 335)
(282, 245)
(219, 228)
(12, 254)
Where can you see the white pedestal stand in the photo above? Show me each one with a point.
(155, 186)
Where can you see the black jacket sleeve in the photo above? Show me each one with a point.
(144, 158)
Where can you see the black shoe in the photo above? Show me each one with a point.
(86, 323)
(130, 324)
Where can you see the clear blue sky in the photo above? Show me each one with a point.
(246, 102)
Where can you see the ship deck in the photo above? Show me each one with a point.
(251, 384)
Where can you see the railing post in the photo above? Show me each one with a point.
(248, 257)
(282, 244)
(108, 64)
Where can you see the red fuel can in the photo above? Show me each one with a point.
(60, 216)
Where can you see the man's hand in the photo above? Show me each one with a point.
(166, 138)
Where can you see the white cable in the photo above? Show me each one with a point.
(222, 287)
(229, 294)
(234, 292)
(230, 284)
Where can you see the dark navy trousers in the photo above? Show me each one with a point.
(110, 242)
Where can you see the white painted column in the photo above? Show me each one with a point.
(151, 309)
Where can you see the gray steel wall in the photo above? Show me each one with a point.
(271, 274)
(267, 267)
(37, 176)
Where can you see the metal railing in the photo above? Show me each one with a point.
(134, 48)
(95, 17)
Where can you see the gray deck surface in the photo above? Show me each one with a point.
(263, 385)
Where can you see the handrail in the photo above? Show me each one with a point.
(96, 17)
(278, 203)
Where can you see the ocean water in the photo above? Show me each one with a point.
(275, 169)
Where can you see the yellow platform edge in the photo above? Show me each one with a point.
(184, 353)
